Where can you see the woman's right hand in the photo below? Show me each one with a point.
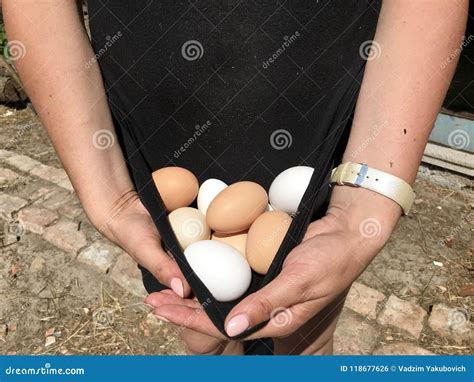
(131, 227)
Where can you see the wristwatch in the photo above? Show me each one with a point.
(361, 175)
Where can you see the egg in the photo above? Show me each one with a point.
(236, 240)
(189, 226)
(207, 192)
(236, 207)
(288, 188)
(221, 268)
(264, 239)
(177, 186)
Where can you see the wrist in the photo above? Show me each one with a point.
(369, 216)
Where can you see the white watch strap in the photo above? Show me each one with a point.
(360, 175)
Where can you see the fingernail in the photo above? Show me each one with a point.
(161, 318)
(237, 325)
(177, 287)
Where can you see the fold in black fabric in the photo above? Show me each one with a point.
(268, 85)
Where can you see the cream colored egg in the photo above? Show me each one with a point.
(189, 226)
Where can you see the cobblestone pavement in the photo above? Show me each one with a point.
(61, 282)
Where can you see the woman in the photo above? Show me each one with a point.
(151, 87)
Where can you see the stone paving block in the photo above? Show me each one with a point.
(49, 173)
(101, 255)
(354, 335)
(7, 176)
(22, 162)
(401, 348)
(36, 219)
(71, 210)
(10, 204)
(126, 273)
(65, 236)
(5, 154)
(66, 184)
(364, 300)
(404, 315)
(55, 200)
(453, 323)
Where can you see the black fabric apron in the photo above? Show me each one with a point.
(233, 90)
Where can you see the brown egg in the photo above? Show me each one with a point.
(177, 186)
(236, 240)
(236, 207)
(264, 239)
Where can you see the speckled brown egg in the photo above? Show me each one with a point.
(236, 207)
(264, 239)
(177, 186)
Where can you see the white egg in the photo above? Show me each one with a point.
(288, 188)
(207, 192)
(222, 269)
(189, 225)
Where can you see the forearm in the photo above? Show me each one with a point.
(70, 99)
(401, 94)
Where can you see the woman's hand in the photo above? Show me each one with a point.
(335, 250)
(131, 227)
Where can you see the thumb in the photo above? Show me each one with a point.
(273, 302)
(155, 260)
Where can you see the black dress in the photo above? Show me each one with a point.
(234, 90)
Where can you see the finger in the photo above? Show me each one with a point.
(155, 260)
(168, 297)
(267, 303)
(190, 318)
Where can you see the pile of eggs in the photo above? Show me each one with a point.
(235, 228)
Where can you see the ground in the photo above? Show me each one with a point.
(65, 290)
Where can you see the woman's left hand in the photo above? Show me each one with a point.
(334, 252)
